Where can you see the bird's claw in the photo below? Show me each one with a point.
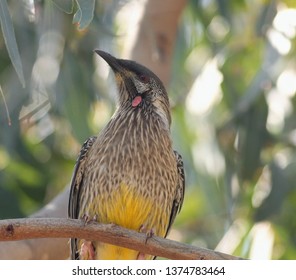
(87, 219)
(149, 233)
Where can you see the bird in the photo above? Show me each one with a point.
(129, 174)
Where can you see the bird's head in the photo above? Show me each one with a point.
(139, 88)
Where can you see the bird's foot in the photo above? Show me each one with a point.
(149, 233)
(141, 256)
(88, 219)
(87, 250)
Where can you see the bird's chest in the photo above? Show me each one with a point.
(132, 182)
(140, 164)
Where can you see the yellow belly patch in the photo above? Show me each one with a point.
(127, 208)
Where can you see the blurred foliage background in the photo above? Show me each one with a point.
(232, 91)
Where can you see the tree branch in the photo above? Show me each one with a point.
(40, 249)
(28, 228)
(151, 42)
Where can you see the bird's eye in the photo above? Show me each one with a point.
(144, 78)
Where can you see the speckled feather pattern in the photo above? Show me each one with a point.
(129, 174)
(143, 162)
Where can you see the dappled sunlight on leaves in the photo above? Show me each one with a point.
(232, 91)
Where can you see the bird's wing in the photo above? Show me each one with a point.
(179, 197)
(76, 185)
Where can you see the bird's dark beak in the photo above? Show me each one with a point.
(111, 60)
(122, 74)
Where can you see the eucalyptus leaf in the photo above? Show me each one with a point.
(280, 189)
(85, 13)
(65, 5)
(10, 41)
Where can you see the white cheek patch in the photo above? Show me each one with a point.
(163, 118)
(141, 87)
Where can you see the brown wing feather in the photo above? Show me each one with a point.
(178, 201)
(76, 185)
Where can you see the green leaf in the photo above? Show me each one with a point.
(10, 41)
(74, 84)
(290, 3)
(85, 13)
(253, 136)
(280, 189)
(64, 5)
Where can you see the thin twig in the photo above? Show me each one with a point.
(29, 228)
